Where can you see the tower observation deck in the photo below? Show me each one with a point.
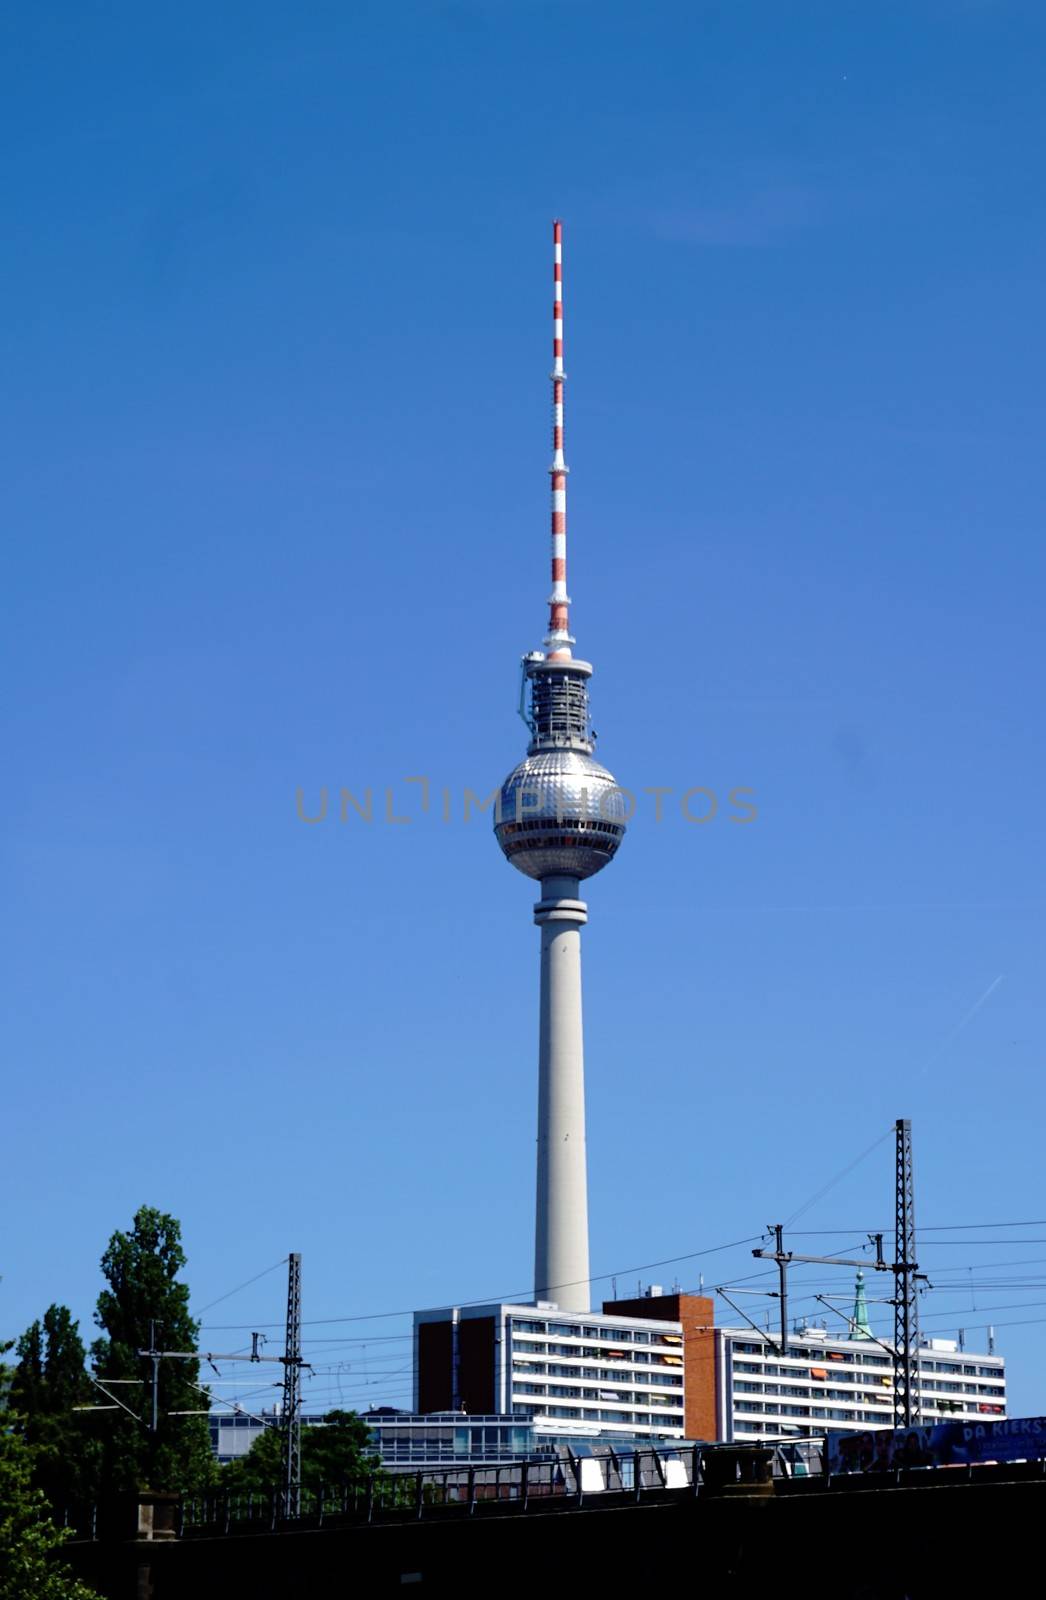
(560, 818)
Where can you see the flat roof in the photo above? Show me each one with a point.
(596, 1319)
(846, 1342)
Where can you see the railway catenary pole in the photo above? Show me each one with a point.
(784, 1259)
(292, 1362)
(907, 1398)
(292, 1390)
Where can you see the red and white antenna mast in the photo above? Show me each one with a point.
(558, 640)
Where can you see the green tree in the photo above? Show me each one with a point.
(29, 1539)
(48, 1383)
(333, 1454)
(27, 1378)
(260, 1471)
(144, 1294)
(339, 1452)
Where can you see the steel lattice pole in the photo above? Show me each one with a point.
(292, 1392)
(907, 1404)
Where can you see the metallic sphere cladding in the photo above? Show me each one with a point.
(560, 812)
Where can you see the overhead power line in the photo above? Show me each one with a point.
(230, 1292)
(517, 1296)
(839, 1178)
(932, 1227)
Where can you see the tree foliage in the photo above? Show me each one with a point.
(48, 1383)
(29, 1539)
(335, 1453)
(145, 1297)
(339, 1451)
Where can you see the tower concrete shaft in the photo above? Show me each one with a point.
(561, 1234)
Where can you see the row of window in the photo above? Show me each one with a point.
(625, 1396)
(422, 1452)
(834, 1414)
(961, 1388)
(656, 1379)
(463, 1438)
(566, 1330)
(573, 1352)
(827, 1413)
(794, 1430)
(837, 1375)
(758, 1427)
(957, 1367)
(966, 1368)
(882, 1395)
(778, 1409)
(668, 1344)
(877, 1363)
(797, 1352)
(637, 1419)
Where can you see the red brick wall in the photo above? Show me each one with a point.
(435, 1375)
(476, 1365)
(696, 1313)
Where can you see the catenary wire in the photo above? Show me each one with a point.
(839, 1177)
(514, 1298)
(229, 1292)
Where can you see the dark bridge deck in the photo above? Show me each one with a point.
(948, 1534)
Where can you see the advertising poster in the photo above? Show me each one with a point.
(941, 1445)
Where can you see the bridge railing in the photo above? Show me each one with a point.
(565, 1480)
(562, 1479)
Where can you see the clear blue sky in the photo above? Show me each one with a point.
(275, 343)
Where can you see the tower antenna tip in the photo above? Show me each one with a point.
(558, 639)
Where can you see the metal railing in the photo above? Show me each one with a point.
(567, 1482)
(519, 1485)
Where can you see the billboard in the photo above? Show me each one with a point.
(943, 1444)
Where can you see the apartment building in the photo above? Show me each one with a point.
(619, 1375)
(823, 1382)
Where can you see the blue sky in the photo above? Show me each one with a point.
(275, 494)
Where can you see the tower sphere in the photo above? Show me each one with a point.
(561, 813)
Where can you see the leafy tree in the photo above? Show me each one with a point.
(6, 1373)
(47, 1384)
(66, 1381)
(337, 1453)
(141, 1269)
(28, 1537)
(260, 1471)
(27, 1379)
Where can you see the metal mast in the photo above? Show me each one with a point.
(906, 1395)
(558, 639)
(559, 818)
(292, 1391)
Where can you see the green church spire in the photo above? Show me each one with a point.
(860, 1328)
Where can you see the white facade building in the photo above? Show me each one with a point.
(564, 1372)
(826, 1382)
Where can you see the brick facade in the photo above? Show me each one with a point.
(695, 1313)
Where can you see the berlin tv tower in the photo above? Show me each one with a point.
(560, 818)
